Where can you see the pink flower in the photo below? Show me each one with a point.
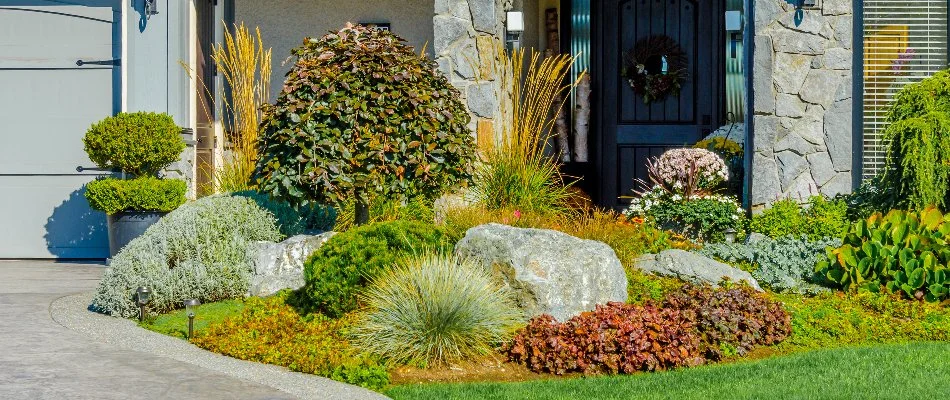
(517, 214)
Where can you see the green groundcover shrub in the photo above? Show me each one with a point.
(342, 268)
(435, 309)
(141, 194)
(198, 251)
(363, 116)
(786, 264)
(269, 331)
(902, 252)
(140, 143)
(295, 220)
(820, 218)
(704, 218)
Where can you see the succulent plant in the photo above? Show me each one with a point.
(902, 252)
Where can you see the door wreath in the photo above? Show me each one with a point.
(655, 68)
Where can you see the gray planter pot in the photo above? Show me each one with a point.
(128, 225)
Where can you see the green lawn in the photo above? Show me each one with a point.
(909, 371)
(176, 323)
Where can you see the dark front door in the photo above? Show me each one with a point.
(632, 131)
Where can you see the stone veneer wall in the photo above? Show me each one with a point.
(802, 87)
(465, 31)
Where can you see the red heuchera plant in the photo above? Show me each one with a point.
(613, 338)
(732, 319)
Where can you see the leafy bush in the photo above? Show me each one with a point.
(362, 115)
(342, 267)
(904, 251)
(731, 321)
(198, 251)
(871, 197)
(142, 194)
(847, 319)
(435, 309)
(271, 332)
(704, 217)
(917, 156)
(141, 143)
(821, 218)
(294, 220)
(786, 264)
(613, 338)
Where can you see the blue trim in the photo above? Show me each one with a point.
(857, 96)
(748, 49)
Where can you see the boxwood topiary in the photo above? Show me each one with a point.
(198, 251)
(363, 115)
(142, 194)
(337, 272)
(141, 143)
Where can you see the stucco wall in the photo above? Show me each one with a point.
(285, 23)
(802, 87)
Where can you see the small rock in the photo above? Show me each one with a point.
(550, 272)
(279, 266)
(693, 268)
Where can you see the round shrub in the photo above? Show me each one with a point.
(340, 269)
(731, 321)
(363, 115)
(198, 251)
(140, 143)
(435, 309)
(820, 218)
(141, 194)
(614, 338)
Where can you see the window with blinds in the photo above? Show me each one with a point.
(904, 41)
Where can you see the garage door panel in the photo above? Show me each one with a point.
(49, 217)
(50, 111)
(46, 105)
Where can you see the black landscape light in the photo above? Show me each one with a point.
(191, 308)
(143, 296)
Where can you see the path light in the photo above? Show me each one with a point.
(143, 295)
(191, 308)
(731, 235)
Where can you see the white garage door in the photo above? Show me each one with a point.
(47, 102)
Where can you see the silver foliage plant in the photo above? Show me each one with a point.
(198, 251)
(435, 309)
(785, 264)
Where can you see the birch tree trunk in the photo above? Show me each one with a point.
(582, 119)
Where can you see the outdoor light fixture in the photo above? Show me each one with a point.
(514, 27)
(191, 308)
(143, 296)
(731, 235)
(151, 7)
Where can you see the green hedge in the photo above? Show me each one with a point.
(141, 194)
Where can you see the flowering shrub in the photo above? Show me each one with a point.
(702, 217)
(613, 338)
(731, 321)
(688, 172)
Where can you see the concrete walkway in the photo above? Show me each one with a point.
(42, 359)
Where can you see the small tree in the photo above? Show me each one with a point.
(362, 115)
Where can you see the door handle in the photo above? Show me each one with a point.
(116, 62)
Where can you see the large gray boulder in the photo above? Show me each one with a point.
(692, 267)
(279, 266)
(550, 272)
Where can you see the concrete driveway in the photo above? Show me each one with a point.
(43, 360)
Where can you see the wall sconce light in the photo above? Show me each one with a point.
(734, 26)
(151, 7)
(143, 296)
(191, 308)
(514, 27)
